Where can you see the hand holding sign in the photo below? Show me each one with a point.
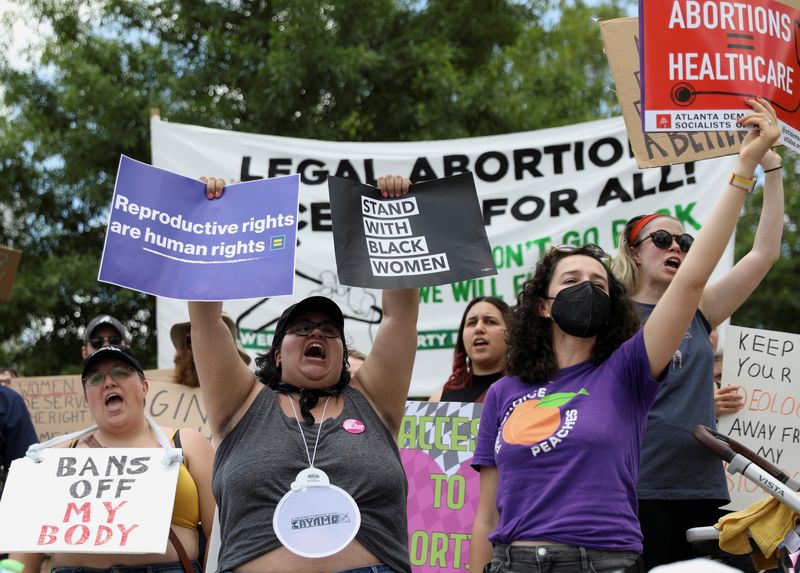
(393, 185)
(758, 141)
(164, 238)
(402, 243)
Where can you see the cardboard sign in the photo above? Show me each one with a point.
(9, 263)
(166, 238)
(58, 406)
(766, 364)
(622, 47)
(437, 442)
(401, 242)
(701, 59)
(89, 500)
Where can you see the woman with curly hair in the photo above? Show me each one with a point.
(479, 358)
(676, 497)
(559, 438)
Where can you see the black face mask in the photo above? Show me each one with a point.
(581, 310)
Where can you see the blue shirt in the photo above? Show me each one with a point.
(16, 428)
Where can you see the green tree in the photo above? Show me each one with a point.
(336, 69)
(774, 305)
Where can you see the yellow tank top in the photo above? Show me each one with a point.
(186, 511)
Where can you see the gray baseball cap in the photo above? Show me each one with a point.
(111, 321)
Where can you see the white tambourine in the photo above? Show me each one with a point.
(316, 518)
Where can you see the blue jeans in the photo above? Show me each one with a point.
(151, 568)
(379, 568)
(559, 558)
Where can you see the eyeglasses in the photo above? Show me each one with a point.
(118, 374)
(306, 327)
(588, 249)
(663, 240)
(98, 341)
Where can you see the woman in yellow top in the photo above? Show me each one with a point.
(116, 388)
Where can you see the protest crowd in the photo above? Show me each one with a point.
(562, 439)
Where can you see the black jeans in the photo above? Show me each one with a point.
(560, 559)
(664, 524)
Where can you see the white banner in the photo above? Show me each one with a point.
(89, 500)
(568, 185)
(766, 364)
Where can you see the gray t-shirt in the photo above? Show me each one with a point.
(673, 464)
(259, 459)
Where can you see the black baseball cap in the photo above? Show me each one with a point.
(119, 352)
(320, 304)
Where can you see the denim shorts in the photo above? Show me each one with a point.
(147, 568)
(559, 558)
(379, 568)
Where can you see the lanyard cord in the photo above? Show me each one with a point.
(302, 435)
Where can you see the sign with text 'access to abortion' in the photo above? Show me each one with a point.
(165, 238)
(401, 242)
(437, 442)
(701, 58)
(89, 500)
(766, 365)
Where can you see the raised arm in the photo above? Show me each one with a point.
(385, 375)
(667, 324)
(225, 381)
(722, 298)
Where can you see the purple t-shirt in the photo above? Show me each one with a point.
(567, 452)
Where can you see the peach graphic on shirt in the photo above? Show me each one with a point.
(535, 420)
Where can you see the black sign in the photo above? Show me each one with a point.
(433, 235)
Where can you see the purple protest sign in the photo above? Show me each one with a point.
(165, 238)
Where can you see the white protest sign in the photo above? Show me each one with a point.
(766, 364)
(568, 185)
(89, 500)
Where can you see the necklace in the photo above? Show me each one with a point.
(312, 502)
(302, 435)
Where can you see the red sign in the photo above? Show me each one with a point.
(701, 58)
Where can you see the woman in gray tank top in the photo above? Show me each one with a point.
(301, 408)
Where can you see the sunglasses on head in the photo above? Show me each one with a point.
(663, 240)
(589, 249)
(98, 341)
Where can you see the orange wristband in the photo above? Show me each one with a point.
(742, 182)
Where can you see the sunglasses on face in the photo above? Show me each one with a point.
(588, 249)
(118, 374)
(663, 240)
(98, 341)
(306, 327)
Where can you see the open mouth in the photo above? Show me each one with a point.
(480, 342)
(672, 263)
(113, 401)
(315, 350)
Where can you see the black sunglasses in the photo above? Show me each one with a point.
(97, 341)
(663, 240)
